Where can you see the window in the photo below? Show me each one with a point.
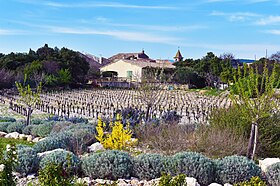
(129, 74)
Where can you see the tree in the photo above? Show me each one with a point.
(77, 66)
(275, 57)
(187, 75)
(64, 77)
(45, 52)
(7, 78)
(150, 89)
(210, 68)
(50, 67)
(51, 80)
(253, 94)
(227, 56)
(28, 97)
(226, 76)
(34, 71)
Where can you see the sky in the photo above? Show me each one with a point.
(246, 28)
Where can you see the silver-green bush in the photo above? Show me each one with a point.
(235, 169)
(37, 121)
(148, 166)
(4, 125)
(7, 119)
(16, 127)
(75, 139)
(191, 164)
(81, 138)
(42, 130)
(61, 126)
(28, 161)
(70, 162)
(55, 141)
(110, 164)
(27, 130)
(273, 174)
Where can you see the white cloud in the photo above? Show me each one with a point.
(12, 32)
(96, 4)
(240, 50)
(270, 20)
(122, 35)
(162, 28)
(236, 16)
(274, 32)
(244, 1)
(101, 19)
(258, 1)
(218, 1)
(245, 47)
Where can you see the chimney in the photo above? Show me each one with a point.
(100, 60)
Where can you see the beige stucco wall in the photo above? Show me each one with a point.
(121, 67)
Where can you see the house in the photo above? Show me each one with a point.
(134, 69)
(94, 62)
(130, 56)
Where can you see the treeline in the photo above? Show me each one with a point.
(63, 67)
(52, 66)
(212, 70)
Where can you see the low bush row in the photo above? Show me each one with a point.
(42, 129)
(38, 127)
(114, 164)
(74, 137)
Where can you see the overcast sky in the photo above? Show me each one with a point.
(245, 28)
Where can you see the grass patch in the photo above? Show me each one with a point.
(207, 91)
(213, 92)
(5, 141)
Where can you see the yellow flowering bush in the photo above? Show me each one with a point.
(119, 139)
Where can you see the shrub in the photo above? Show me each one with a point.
(269, 136)
(27, 130)
(110, 164)
(234, 169)
(61, 126)
(36, 121)
(77, 120)
(273, 174)
(90, 128)
(132, 116)
(118, 139)
(68, 160)
(16, 127)
(28, 161)
(7, 166)
(191, 164)
(55, 141)
(42, 130)
(168, 180)
(161, 138)
(55, 118)
(81, 137)
(7, 119)
(4, 126)
(218, 142)
(75, 139)
(254, 181)
(148, 166)
(54, 174)
(171, 117)
(230, 118)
